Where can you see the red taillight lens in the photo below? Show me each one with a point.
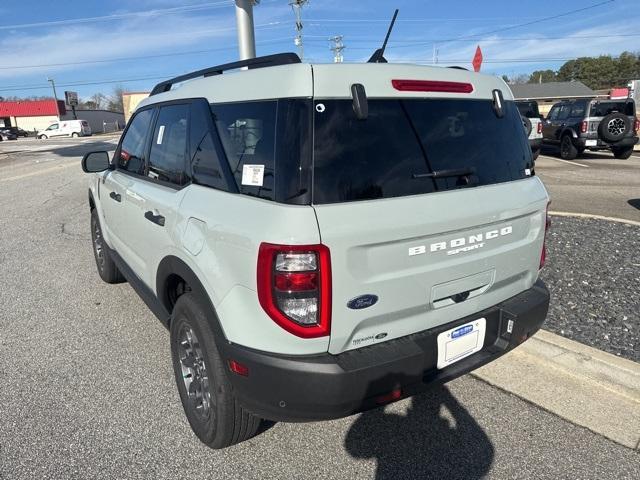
(431, 86)
(539, 129)
(547, 226)
(392, 396)
(239, 368)
(636, 125)
(583, 126)
(294, 287)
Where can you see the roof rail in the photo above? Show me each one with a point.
(258, 62)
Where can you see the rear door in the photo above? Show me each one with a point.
(432, 250)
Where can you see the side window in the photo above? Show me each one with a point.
(169, 145)
(553, 114)
(563, 114)
(131, 156)
(247, 131)
(53, 127)
(577, 110)
(205, 158)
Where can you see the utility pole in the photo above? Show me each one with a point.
(244, 22)
(337, 48)
(55, 95)
(297, 5)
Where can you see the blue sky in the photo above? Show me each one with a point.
(89, 43)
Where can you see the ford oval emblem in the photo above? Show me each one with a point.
(363, 301)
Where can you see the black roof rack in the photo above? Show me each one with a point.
(258, 62)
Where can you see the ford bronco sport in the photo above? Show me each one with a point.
(576, 125)
(323, 239)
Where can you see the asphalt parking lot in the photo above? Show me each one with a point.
(88, 390)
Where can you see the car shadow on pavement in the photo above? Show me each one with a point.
(437, 438)
(634, 202)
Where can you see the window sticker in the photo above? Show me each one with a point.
(160, 135)
(253, 175)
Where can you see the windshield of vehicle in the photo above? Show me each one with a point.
(528, 109)
(403, 144)
(602, 109)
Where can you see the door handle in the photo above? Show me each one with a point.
(116, 196)
(157, 219)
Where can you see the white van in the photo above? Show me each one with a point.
(66, 128)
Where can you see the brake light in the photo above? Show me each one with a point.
(547, 226)
(294, 287)
(539, 129)
(636, 125)
(583, 126)
(431, 86)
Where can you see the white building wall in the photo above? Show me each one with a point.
(29, 123)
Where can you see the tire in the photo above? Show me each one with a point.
(107, 269)
(622, 153)
(206, 393)
(535, 153)
(43, 137)
(568, 150)
(614, 127)
(74, 135)
(527, 125)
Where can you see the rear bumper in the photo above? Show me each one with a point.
(581, 142)
(320, 387)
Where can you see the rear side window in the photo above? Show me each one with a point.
(205, 157)
(381, 156)
(247, 131)
(577, 110)
(602, 109)
(132, 149)
(167, 159)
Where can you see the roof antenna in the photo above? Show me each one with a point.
(378, 55)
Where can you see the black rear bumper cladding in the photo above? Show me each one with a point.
(624, 142)
(319, 387)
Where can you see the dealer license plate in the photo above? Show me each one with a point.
(591, 143)
(460, 342)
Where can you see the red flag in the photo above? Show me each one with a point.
(477, 59)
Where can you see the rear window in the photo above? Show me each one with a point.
(602, 109)
(381, 156)
(528, 109)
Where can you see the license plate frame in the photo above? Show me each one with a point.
(461, 341)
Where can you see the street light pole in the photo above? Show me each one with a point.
(55, 95)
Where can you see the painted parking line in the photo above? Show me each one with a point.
(564, 161)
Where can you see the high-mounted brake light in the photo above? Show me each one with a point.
(539, 128)
(583, 126)
(431, 86)
(294, 287)
(547, 226)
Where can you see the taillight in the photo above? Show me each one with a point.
(583, 126)
(539, 127)
(431, 86)
(294, 287)
(636, 125)
(547, 225)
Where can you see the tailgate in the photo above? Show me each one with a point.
(429, 259)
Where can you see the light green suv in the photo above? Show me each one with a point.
(323, 239)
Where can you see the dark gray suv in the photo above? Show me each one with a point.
(577, 125)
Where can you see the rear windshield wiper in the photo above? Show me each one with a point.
(449, 172)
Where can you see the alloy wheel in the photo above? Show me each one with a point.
(194, 372)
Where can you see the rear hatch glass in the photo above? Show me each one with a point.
(528, 109)
(602, 109)
(404, 144)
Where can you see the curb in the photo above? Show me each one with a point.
(597, 217)
(581, 384)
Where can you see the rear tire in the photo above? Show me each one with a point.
(43, 137)
(568, 151)
(622, 153)
(206, 393)
(535, 153)
(74, 135)
(107, 269)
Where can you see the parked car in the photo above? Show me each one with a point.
(576, 125)
(66, 128)
(532, 121)
(7, 134)
(16, 130)
(319, 246)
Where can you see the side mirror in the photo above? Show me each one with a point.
(94, 162)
